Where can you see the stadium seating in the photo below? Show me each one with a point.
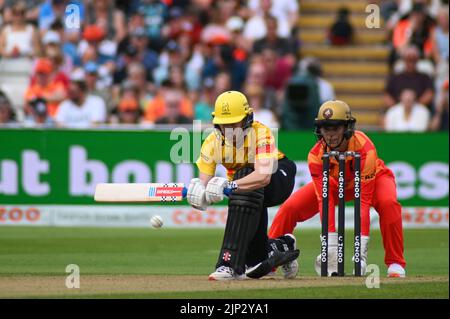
(358, 71)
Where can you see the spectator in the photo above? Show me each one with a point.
(278, 72)
(273, 41)
(242, 46)
(255, 28)
(183, 25)
(256, 75)
(205, 106)
(415, 30)
(39, 115)
(284, 10)
(60, 66)
(255, 96)
(68, 40)
(32, 10)
(6, 112)
(223, 60)
(80, 110)
(127, 112)
(194, 68)
(313, 67)
(212, 87)
(173, 100)
(140, 41)
(93, 83)
(390, 12)
(135, 21)
(440, 37)
(440, 117)
(96, 47)
(62, 62)
(157, 108)
(407, 115)
(19, 39)
(170, 56)
(441, 48)
(176, 77)
(137, 75)
(155, 14)
(420, 83)
(104, 14)
(222, 83)
(46, 87)
(341, 31)
(215, 32)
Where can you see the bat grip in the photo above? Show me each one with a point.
(226, 191)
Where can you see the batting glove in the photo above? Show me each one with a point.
(196, 195)
(217, 187)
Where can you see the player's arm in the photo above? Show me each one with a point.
(205, 178)
(266, 157)
(264, 160)
(368, 172)
(259, 178)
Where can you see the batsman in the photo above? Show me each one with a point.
(335, 131)
(258, 176)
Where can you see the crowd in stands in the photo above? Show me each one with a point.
(165, 62)
(416, 92)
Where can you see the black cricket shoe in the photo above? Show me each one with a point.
(276, 258)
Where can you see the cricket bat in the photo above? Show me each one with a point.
(140, 192)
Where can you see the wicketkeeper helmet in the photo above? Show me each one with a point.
(335, 113)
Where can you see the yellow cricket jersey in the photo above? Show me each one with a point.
(259, 143)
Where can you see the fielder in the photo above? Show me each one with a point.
(259, 176)
(335, 131)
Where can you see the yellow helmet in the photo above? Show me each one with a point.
(230, 107)
(335, 112)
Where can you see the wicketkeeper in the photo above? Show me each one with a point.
(335, 131)
(259, 176)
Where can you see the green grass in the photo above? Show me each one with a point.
(28, 251)
(47, 251)
(397, 291)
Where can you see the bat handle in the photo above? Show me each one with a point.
(226, 191)
(184, 192)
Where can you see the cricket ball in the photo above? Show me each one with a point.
(156, 221)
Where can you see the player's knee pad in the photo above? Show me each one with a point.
(244, 214)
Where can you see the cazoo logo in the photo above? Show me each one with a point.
(17, 215)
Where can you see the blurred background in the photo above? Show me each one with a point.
(151, 63)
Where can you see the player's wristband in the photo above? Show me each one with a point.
(230, 187)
